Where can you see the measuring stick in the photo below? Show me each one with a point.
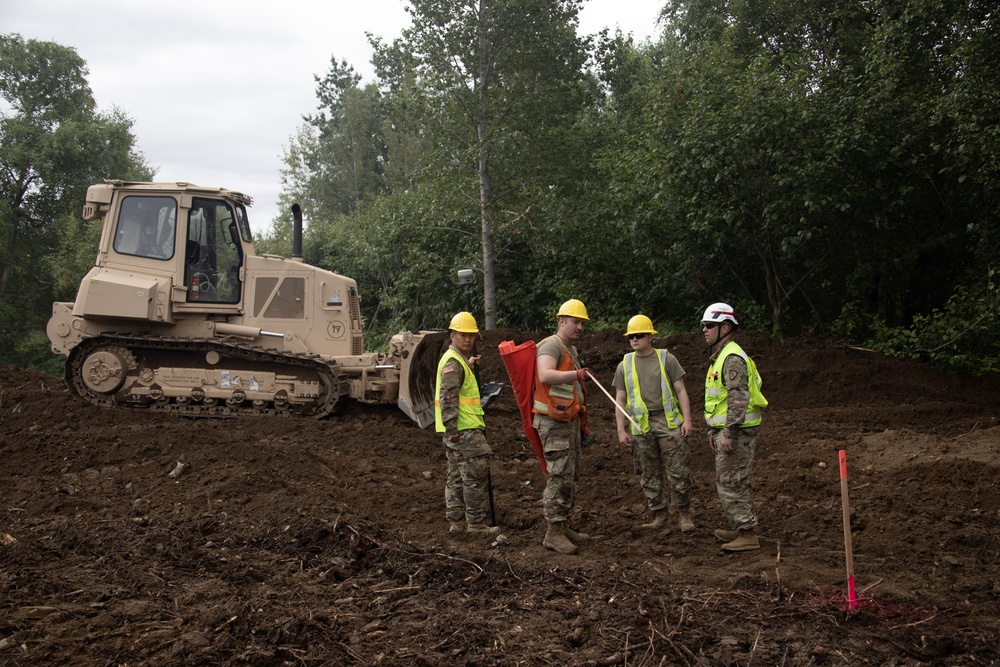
(620, 408)
(852, 600)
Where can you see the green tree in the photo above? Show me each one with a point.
(497, 82)
(336, 160)
(53, 144)
(803, 156)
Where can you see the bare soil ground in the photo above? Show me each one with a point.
(301, 542)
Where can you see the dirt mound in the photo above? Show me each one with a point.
(146, 539)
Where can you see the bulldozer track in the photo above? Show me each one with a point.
(122, 371)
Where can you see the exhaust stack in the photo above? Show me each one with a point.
(296, 233)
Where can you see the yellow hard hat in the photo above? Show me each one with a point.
(464, 322)
(573, 308)
(640, 324)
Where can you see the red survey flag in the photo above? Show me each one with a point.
(519, 360)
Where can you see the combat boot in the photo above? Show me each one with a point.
(686, 523)
(483, 528)
(746, 541)
(575, 537)
(556, 539)
(454, 527)
(659, 519)
(727, 535)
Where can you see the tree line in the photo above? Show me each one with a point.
(825, 165)
(820, 165)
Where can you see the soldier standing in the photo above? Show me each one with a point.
(558, 405)
(651, 389)
(733, 406)
(458, 415)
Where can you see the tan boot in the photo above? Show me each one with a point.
(727, 535)
(746, 541)
(687, 525)
(659, 519)
(556, 539)
(483, 528)
(575, 537)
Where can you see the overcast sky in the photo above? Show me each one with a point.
(217, 87)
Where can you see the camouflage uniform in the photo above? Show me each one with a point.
(732, 480)
(561, 444)
(664, 464)
(465, 488)
(732, 469)
(662, 456)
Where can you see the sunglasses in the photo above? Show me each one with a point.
(709, 325)
(636, 336)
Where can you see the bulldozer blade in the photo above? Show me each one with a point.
(418, 373)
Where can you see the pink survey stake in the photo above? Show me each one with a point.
(852, 600)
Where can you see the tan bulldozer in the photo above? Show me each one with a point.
(181, 314)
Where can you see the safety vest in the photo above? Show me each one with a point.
(558, 401)
(715, 390)
(470, 409)
(637, 407)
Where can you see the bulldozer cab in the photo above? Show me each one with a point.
(207, 238)
(213, 255)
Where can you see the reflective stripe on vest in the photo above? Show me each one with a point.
(558, 401)
(637, 407)
(470, 410)
(716, 406)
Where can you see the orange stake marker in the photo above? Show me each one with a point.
(852, 600)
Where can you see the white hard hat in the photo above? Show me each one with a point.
(719, 313)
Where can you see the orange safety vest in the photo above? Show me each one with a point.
(558, 401)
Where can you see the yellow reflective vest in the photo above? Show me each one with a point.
(637, 407)
(715, 390)
(470, 409)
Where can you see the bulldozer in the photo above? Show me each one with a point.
(180, 314)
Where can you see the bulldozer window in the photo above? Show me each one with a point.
(243, 224)
(213, 257)
(146, 227)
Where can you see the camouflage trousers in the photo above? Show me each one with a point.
(465, 487)
(561, 446)
(732, 479)
(662, 460)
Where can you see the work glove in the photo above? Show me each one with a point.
(583, 374)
